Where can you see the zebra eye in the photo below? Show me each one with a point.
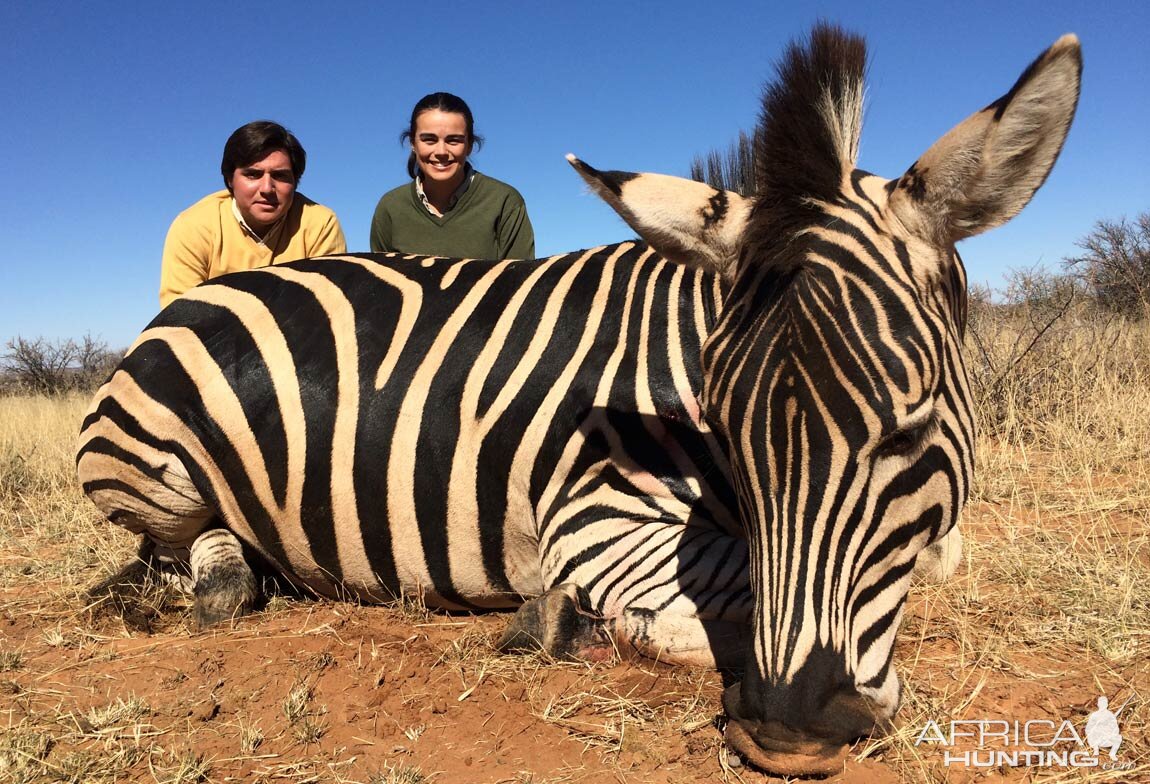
(903, 442)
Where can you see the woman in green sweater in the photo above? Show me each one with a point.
(448, 208)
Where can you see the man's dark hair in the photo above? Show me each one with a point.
(254, 141)
(444, 102)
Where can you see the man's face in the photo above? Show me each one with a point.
(264, 190)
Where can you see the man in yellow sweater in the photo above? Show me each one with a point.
(258, 220)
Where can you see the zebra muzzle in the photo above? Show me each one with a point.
(776, 748)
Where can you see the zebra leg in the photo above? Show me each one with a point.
(129, 583)
(680, 639)
(151, 494)
(667, 591)
(939, 560)
(559, 624)
(225, 586)
(131, 593)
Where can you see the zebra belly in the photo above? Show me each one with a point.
(377, 552)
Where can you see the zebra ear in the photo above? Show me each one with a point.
(683, 220)
(986, 169)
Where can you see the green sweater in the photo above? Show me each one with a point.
(488, 222)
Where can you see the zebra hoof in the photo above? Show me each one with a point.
(556, 624)
(225, 593)
(225, 586)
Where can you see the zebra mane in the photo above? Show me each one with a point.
(808, 132)
(806, 142)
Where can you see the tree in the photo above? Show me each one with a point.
(39, 365)
(95, 361)
(1116, 265)
(49, 367)
(733, 170)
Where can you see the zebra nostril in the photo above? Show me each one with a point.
(780, 755)
(776, 748)
(816, 745)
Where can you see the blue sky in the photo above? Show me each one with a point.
(115, 115)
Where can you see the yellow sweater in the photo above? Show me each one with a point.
(206, 241)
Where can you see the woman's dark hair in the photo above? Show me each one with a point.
(444, 102)
(252, 142)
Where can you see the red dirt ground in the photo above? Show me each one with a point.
(391, 690)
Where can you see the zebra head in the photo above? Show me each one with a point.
(835, 374)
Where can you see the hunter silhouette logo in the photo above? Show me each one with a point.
(1102, 728)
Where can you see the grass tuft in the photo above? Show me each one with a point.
(399, 774)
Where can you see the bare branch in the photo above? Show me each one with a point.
(1116, 265)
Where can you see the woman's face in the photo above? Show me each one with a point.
(441, 146)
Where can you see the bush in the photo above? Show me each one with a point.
(1116, 265)
(51, 367)
(1044, 348)
(732, 170)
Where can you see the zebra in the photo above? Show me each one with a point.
(727, 445)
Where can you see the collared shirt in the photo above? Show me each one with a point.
(209, 239)
(468, 176)
(248, 230)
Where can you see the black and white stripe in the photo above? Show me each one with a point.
(378, 426)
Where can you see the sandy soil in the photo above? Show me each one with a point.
(318, 691)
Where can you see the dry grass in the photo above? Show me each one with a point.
(49, 533)
(1050, 610)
